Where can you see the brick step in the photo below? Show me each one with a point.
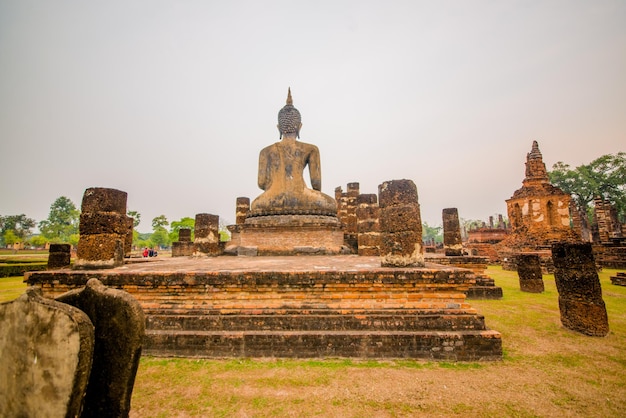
(428, 345)
(372, 321)
(484, 292)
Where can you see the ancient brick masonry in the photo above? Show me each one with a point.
(580, 295)
(368, 225)
(538, 211)
(452, 243)
(400, 224)
(529, 272)
(184, 246)
(207, 237)
(104, 229)
(59, 256)
(346, 212)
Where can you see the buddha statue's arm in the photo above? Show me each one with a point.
(264, 170)
(315, 169)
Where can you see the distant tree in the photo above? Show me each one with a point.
(10, 238)
(159, 235)
(160, 238)
(19, 224)
(38, 241)
(175, 226)
(604, 177)
(62, 221)
(159, 221)
(432, 233)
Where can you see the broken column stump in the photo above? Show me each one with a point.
(207, 236)
(529, 273)
(119, 331)
(184, 246)
(59, 256)
(46, 352)
(452, 243)
(400, 225)
(368, 225)
(580, 295)
(103, 229)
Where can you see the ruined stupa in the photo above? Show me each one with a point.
(538, 211)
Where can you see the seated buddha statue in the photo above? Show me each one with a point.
(281, 167)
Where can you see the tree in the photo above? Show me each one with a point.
(159, 236)
(62, 222)
(10, 237)
(19, 224)
(136, 217)
(432, 233)
(159, 221)
(604, 177)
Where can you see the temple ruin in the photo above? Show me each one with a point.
(365, 288)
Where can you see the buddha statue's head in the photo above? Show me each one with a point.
(289, 120)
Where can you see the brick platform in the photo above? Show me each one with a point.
(313, 306)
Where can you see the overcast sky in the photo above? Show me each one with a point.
(171, 101)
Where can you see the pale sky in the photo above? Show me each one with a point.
(171, 101)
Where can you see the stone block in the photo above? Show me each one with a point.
(92, 223)
(580, 294)
(46, 358)
(119, 331)
(182, 248)
(529, 272)
(59, 256)
(401, 249)
(100, 251)
(400, 218)
(184, 235)
(100, 199)
(397, 192)
(367, 199)
(207, 226)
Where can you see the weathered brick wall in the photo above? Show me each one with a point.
(174, 292)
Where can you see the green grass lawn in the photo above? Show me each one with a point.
(11, 288)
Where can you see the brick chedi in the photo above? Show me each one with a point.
(400, 224)
(103, 229)
(539, 211)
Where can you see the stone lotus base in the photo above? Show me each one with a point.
(298, 307)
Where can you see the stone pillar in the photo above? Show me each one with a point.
(346, 212)
(580, 295)
(452, 243)
(59, 256)
(400, 224)
(529, 273)
(103, 229)
(207, 237)
(243, 207)
(368, 225)
(184, 246)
